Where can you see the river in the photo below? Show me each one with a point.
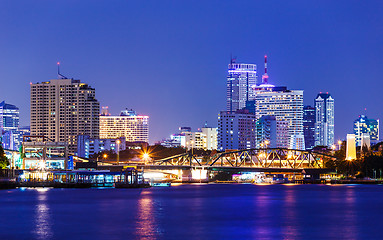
(195, 211)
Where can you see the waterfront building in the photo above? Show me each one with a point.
(236, 130)
(195, 140)
(309, 126)
(365, 125)
(285, 105)
(350, 147)
(135, 128)
(240, 81)
(210, 138)
(297, 142)
(266, 132)
(9, 117)
(87, 146)
(170, 143)
(324, 120)
(62, 109)
(206, 139)
(42, 154)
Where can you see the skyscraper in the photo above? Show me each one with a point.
(324, 120)
(285, 105)
(309, 126)
(236, 130)
(240, 80)
(364, 125)
(62, 109)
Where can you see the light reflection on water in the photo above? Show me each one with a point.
(42, 220)
(145, 226)
(290, 228)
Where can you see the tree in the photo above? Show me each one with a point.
(4, 162)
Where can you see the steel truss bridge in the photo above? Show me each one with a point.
(268, 160)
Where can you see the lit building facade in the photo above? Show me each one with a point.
(350, 147)
(324, 120)
(240, 81)
(236, 130)
(133, 127)
(211, 138)
(62, 109)
(266, 132)
(309, 126)
(364, 125)
(285, 105)
(9, 117)
(87, 146)
(11, 137)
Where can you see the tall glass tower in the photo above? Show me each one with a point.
(324, 120)
(240, 80)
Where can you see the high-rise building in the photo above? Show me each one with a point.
(62, 109)
(266, 132)
(133, 127)
(368, 126)
(11, 137)
(309, 126)
(9, 117)
(324, 120)
(240, 81)
(285, 105)
(236, 130)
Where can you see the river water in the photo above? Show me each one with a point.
(206, 211)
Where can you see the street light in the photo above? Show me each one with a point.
(266, 142)
(339, 143)
(105, 156)
(118, 151)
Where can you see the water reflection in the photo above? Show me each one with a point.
(350, 223)
(42, 220)
(146, 228)
(262, 226)
(289, 229)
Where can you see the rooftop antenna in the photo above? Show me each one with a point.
(59, 75)
(265, 77)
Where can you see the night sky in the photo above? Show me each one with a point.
(168, 59)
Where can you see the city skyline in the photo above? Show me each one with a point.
(175, 74)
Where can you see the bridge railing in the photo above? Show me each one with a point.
(257, 158)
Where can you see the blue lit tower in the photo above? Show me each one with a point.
(309, 126)
(324, 120)
(9, 117)
(240, 80)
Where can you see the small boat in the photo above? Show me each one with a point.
(165, 184)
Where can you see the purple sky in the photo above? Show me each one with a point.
(168, 59)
